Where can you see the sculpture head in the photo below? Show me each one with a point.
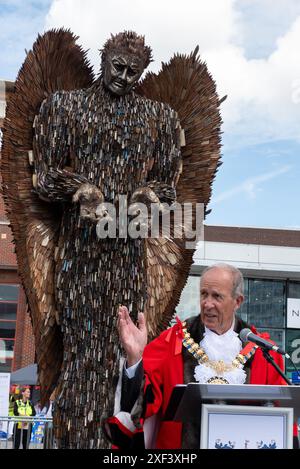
(124, 58)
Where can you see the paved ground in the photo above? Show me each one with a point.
(9, 445)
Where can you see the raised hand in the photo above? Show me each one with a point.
(133, 338)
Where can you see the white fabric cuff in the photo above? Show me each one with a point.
(130, 372)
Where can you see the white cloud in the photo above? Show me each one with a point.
(262, 93)
(250, 187)
(169, 26)
(262, 22)
(263, 102)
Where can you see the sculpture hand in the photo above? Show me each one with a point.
(144, 195)
(133, 338)
(154, 196)
(89, 197)
(155, 192)
(140, 209)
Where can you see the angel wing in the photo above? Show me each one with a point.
(187, 86)
(55, 62)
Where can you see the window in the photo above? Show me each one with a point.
(9, 295)
(8, 311)
(189, 304)
(7, 329)
(6, 354)
(294, 290)
(277, 335)
(243, 311)
(266, 303)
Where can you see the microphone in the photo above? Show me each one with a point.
(247, 335)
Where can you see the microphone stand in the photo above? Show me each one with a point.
(271, 360)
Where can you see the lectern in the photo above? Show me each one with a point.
(238, 416)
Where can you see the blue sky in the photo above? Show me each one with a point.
(20, 22)
(252, 49)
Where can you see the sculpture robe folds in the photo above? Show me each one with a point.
(117, 144)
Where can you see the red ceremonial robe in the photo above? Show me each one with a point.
(163, 367)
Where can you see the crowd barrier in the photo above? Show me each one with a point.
(41, 436)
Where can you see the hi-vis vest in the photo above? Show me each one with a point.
(24, 410)
(11, 407)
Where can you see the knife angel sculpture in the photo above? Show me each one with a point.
(74, 145)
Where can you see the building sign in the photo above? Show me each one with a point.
(293, 349)
(293, 313)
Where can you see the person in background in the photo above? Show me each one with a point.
(48, 439)
(49, 412)
(12, 400)
(23, 408)
(39, 410)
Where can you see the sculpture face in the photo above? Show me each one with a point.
(121, 72)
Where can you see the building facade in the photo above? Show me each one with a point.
(16, 337)
(270, 262)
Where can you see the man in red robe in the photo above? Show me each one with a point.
(217, 355)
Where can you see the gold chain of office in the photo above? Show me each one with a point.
(218, 366)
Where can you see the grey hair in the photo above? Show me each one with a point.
(237, 277)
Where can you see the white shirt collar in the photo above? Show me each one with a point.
(221, 347)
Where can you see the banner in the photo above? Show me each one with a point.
(4, 393)
(4, 401)
(293, 313)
